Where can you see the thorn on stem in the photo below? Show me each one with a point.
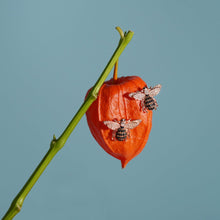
(54, 137)
(53, 142)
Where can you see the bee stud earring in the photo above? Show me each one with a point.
(121, 128)
(146, 96)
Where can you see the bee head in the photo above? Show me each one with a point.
(122, 122)
(145, 89)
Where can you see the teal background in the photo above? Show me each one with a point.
(51, 52)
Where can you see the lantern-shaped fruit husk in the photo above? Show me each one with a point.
(113, 103)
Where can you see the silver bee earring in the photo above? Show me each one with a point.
(146, 96)
(121, 128)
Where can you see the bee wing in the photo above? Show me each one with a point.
(112, 125)
(155, 91)
(132, 124)
(137, 95)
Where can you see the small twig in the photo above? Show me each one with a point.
(57, 144)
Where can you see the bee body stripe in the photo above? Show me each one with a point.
(149, 103)
(121, 134)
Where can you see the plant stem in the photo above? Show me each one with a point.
(122, 35)
(115, 74)
(57, 144)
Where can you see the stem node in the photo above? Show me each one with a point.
(18, 207)
(53, 143)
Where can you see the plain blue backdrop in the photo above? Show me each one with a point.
(51, 52)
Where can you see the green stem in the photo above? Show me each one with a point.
(57, 144)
